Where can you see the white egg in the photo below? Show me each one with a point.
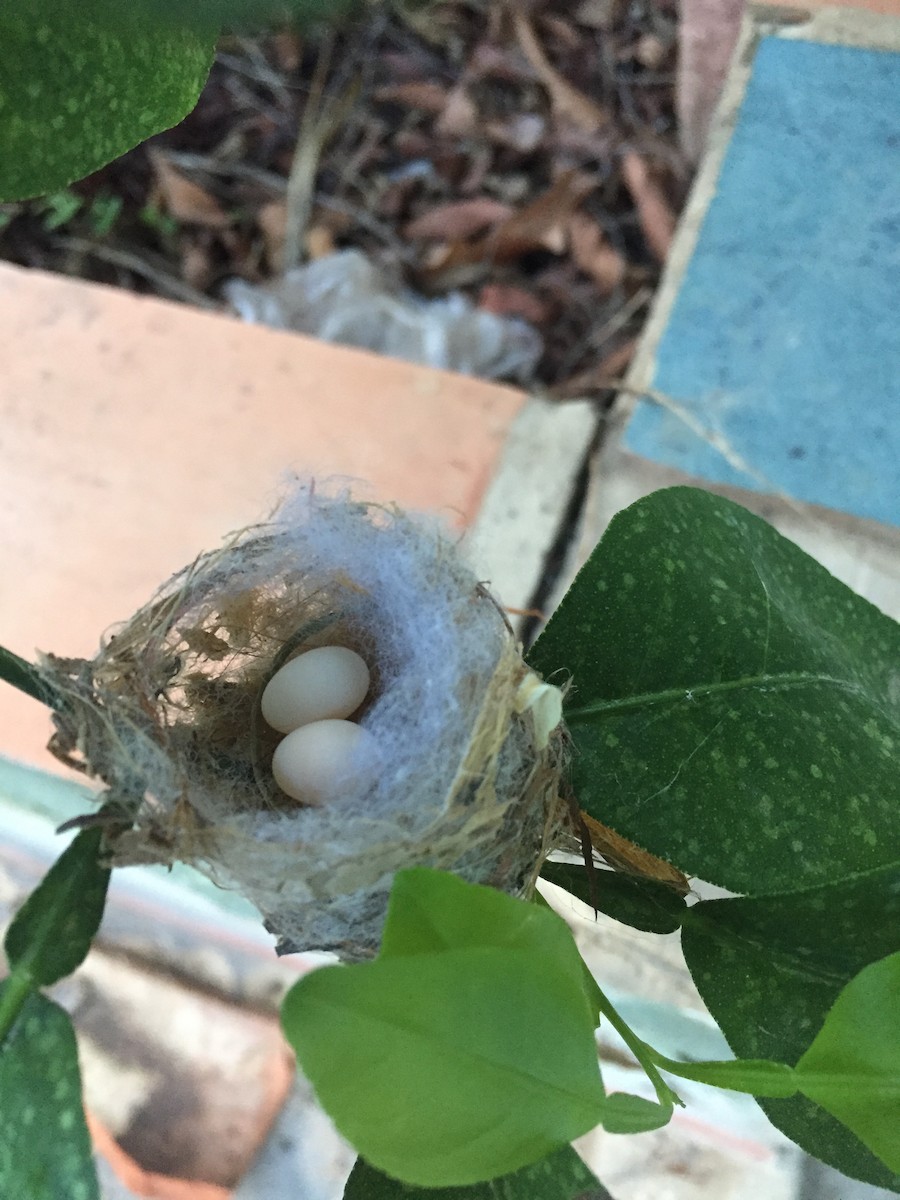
(328, 682)
(315, 761)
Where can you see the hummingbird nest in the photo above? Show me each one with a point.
(466, 748)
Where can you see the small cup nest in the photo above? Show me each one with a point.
(467, 770)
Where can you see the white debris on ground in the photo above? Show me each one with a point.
(345, 298)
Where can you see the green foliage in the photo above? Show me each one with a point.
(52, 931)
(45, 1151)
(77, 90)
(852, 1069)
(641, 903)
(561, 1176)
(734, 707)
(466, 1049)
(771, 968)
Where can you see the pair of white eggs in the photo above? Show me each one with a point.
(308, 700)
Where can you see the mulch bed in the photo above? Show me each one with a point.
(525, 155)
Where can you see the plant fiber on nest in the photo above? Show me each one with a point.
(461, 772)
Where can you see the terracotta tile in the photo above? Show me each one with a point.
(135, 433)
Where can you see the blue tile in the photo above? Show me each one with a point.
(785, 335)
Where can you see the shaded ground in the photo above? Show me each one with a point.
(527, 157)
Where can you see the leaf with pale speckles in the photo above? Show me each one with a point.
(45, 1151)
(735, 709)
(562, 1176)
(641, 903)
(77, 91)
(770, 969)
(52, 931)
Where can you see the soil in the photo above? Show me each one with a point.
(526, 156)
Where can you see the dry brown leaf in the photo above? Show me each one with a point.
(319, 242)
(287, 49)
(459, 117)
(625, 856)
(196, 264)
(567, 101)
(271, 220)
(594, 254)
(656, 217)
(418, 93)
(458, 219)
(541, 224)
(185, 200)
(508, 301)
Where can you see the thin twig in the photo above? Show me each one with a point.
(321, 118)
(165, 282)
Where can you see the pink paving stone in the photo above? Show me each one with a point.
(135, 433)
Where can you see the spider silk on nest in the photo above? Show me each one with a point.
(461, 770)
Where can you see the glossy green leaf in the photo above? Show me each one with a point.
(562, 1176)
(453, 1066)
(77, 91)
(45, 1151)
(641, 903)
(734, 707)
(770, 969)
(852, 1069)
(52, 931)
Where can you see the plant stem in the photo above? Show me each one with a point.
(16, 989)
(757, 1077)
(645, 1054)
(24, 676)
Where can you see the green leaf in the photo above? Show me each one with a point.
(45, 1151)
(641, 903)
(52, 931)
(562, 1176)
(852, 1069)
(769, 970)
(77, 91)
(734, 707)
(453, 1066)
(624, 1113)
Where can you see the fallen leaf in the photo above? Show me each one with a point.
(508, 301)
(499, 62)
(593, 253)
(459, 219)
(459, 117)
(561, 30)
(319, 242)
(185, 200)
(542, 223)
(656, 217)
(419, 93)
(271, 219)
(287, 49)
(651, 51)
(567, 101)
(196, 266)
